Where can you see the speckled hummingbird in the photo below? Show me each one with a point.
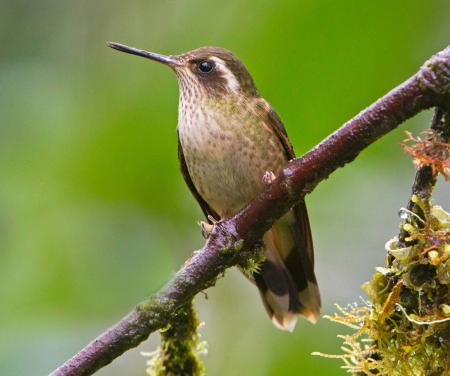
(231, 143)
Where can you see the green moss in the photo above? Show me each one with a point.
(180, 348)
(226, 250)
(253, 262)
(155, 307)
(239, 245)
(405, 328)
(235, 248)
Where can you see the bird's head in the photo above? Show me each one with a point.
(212, 71)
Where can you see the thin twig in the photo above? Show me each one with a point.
(426, 177)
(427, 88)
(418, 322)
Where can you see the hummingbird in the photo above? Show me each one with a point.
(231, 144)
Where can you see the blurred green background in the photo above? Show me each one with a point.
(94, 215)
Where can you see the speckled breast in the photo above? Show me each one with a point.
(227, 149)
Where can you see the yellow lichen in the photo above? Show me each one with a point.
(405, 329)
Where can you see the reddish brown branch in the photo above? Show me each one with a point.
(232, 241)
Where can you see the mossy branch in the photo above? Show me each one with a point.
(404, 328)
(429, 87)
(178, 353)
(426, 175)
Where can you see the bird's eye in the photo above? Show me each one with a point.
(205, 66)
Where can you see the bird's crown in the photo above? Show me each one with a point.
(218, 70)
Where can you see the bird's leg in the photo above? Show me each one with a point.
(268, 177)
(206, 228)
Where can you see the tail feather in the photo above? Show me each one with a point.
(286, 281)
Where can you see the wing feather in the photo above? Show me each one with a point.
(288, 271)
(274, 122)
(207, 210)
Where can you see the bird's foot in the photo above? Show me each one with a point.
(268, 177)
(206, 228)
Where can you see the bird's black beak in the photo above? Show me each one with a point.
(168, 60)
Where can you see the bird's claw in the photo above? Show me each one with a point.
(206, 228)
(213, 220)
(268, 177)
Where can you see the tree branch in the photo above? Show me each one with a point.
(178, 353)
(407, 297)
(232, 241)
(425, 179)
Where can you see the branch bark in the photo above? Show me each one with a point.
(232, 241)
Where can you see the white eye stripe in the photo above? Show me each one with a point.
(232, 82)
